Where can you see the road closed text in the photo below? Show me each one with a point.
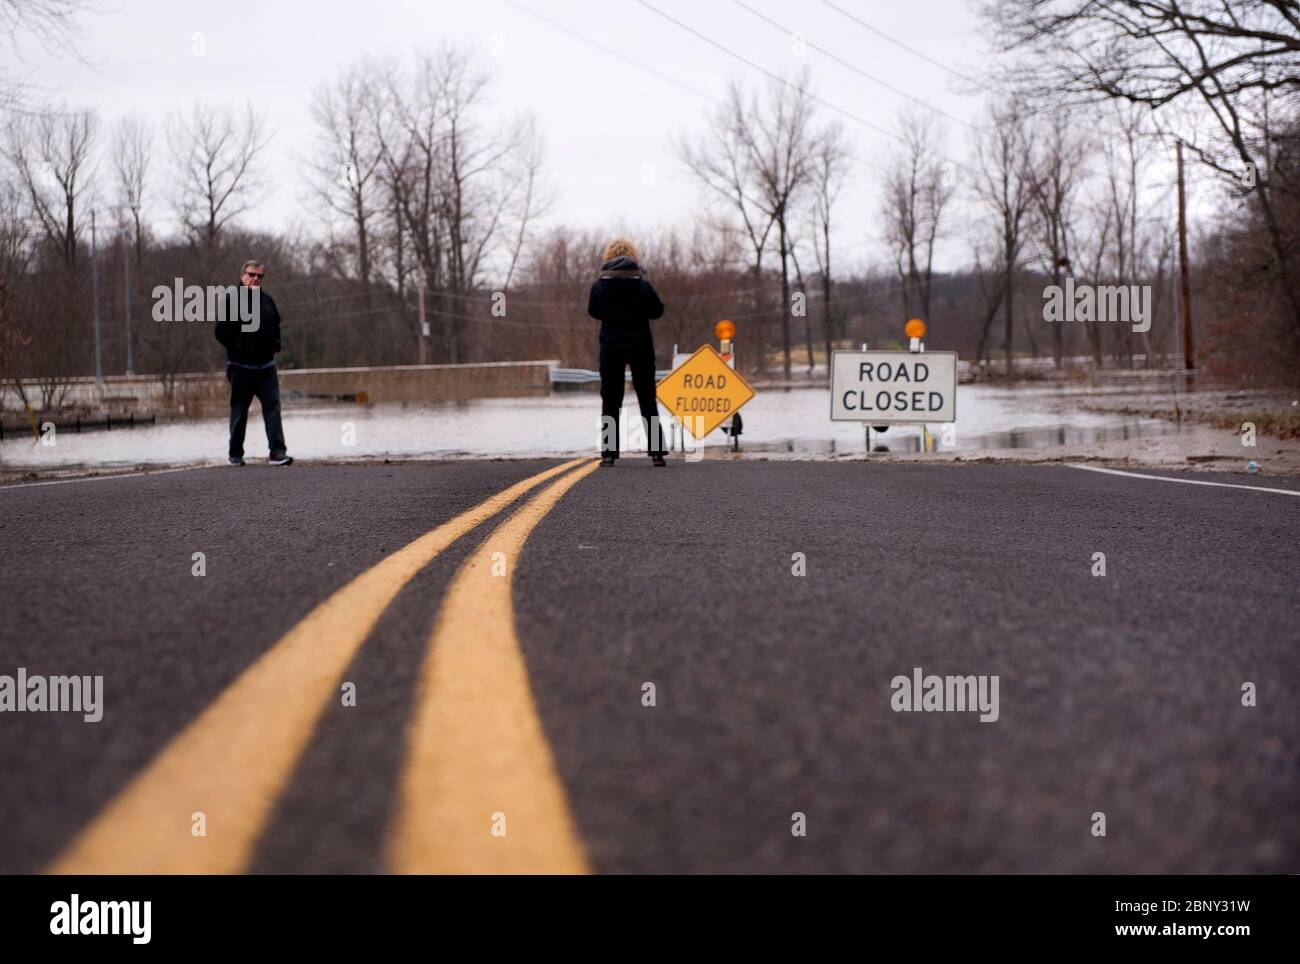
(880, 386)
(899, 400)
(861, 401)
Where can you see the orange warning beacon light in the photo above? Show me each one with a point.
(725, 330)
(915, 328)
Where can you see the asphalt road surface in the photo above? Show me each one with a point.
(445, 666)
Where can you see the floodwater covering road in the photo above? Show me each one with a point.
(795, 420)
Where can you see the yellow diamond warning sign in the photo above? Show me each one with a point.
(703, 392)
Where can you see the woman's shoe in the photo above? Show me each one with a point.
(659, 460)
(607, 461)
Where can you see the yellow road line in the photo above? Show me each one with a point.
(477, 759)
(235, 759)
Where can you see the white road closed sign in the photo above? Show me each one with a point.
(893, 387)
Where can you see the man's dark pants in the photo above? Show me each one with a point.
(614, 358)
(245, 384)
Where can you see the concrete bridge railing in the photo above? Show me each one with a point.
(196, 393)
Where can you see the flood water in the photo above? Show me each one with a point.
(793, 420)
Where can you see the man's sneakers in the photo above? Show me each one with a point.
(277, 460)
(659, 461)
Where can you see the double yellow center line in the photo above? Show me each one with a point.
(479, 791)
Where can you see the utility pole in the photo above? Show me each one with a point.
(126, 266)
(424, 330)
(94, 294)
(1189, 355)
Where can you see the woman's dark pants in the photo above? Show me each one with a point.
(614, 358)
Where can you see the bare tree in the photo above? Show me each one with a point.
(52, 24)
(42, 317)
(992, 286)
(829, 168)
(132, 151)
(779, 139)
(1005, 184)
(795, 242)
(464, 190)
(1092, 250)
(1229, 55)
(490, 180)
(1165, 244)
(344, 167)
(918, 186)
(1124, 164)
(1060, 169)
(720, 159)
(408, 123)
(215, 155)
(530, 197)
(15, 258)
(52, 153)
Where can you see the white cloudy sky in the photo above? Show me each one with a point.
(603, 119)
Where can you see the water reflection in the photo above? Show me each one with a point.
(793, 422)
(899, 440)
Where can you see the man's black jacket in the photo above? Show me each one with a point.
(250, 347)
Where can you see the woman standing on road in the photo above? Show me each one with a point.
(625, 303)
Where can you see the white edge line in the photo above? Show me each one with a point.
(105, 478)
(1165, 478)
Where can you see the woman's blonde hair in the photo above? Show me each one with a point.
(618, 248)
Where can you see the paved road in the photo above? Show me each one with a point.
(500, 661)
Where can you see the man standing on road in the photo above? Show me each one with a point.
(251, 345)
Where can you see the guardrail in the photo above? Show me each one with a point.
(585, 376)
(75, 424)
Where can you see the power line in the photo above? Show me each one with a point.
(781, 80)
(480, 297)
(891, 288)
(911, 50)
(763, 70)
(434, 316)
(611, 52)
(854, 67)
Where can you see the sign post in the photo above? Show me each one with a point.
(726, 333)
(884, 388)
(915, 331)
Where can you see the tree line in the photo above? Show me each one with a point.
(423, 196)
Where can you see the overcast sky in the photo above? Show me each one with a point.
(603, 119)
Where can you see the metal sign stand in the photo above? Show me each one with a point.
(727, 349)
(917, 346)
(867, 425)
